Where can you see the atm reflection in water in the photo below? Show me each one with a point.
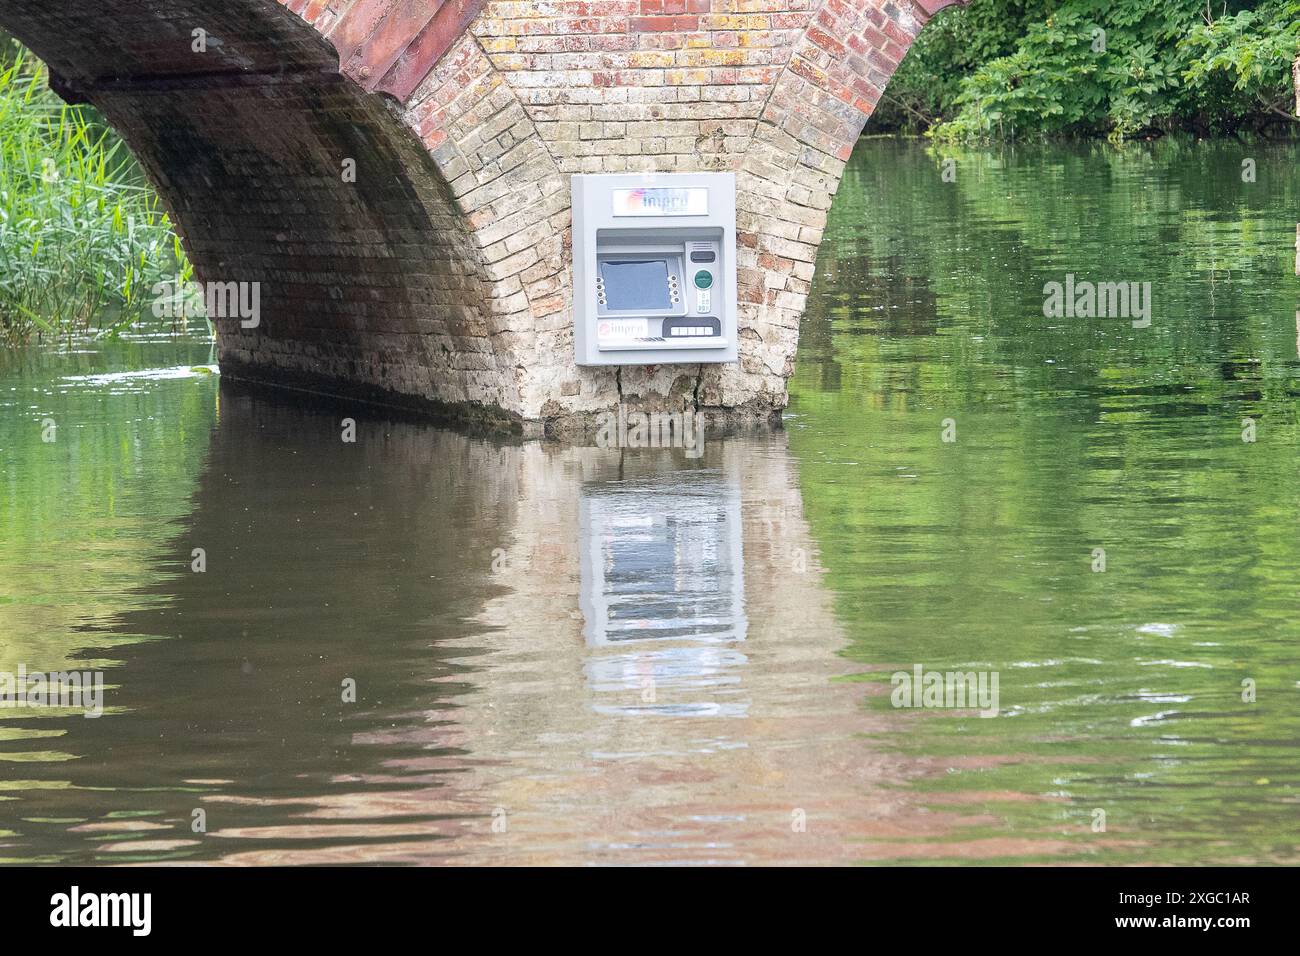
(663, 591)
(657, 683)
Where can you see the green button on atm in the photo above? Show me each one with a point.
(703, 279)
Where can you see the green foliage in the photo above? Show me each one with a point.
(1255, 48)
(1119, 68)
(82, 237)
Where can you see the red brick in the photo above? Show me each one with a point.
(664, 24)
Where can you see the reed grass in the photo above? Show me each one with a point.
(83, 238)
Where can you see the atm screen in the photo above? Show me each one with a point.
(633, 285)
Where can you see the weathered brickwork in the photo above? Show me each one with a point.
(441, 274)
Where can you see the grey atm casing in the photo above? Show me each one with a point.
(643, 220)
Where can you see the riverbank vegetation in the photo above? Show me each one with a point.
(83, 238)
(1008, 69)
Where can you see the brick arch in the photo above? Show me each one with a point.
(377, 286)
(441, 275)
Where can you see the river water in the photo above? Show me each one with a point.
(425, 647)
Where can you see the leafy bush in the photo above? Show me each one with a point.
(1088, 67)
(1256, 49)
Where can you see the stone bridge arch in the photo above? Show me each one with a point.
(440, 276)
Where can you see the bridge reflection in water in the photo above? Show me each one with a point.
(561, 654)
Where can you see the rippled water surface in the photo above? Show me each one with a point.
(575, 655)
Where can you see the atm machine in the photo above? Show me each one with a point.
(654, 268)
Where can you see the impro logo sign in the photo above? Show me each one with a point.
(661, 201)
